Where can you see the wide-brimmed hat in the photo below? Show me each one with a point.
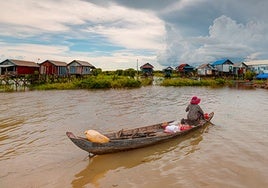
(195, 100)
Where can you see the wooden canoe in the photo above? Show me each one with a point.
(131, 138)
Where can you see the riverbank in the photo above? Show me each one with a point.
(263, 85)
(117, 82)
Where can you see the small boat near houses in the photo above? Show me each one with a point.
(128, 139)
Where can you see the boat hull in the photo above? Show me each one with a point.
(145, 136)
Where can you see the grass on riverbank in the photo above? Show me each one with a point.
(51, 86)
(96, 82)
(104, 81)
(191, 82)
(6, 88)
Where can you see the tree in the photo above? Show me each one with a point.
(96, 72)
(249, 75)
(130, 72)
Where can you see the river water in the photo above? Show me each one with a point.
(35, 152)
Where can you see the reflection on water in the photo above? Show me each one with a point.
(98, 166)
(243, 85)
(33, 144)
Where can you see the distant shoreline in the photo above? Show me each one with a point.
(126, 82)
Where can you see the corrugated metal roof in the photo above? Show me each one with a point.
(147, 66)
(220, 62)
(184, 67)
(83, 63)
(208, 66)
(168, 68)
(202, 66)
(240, 64)
(257, 62)
(23, 63)
(56, 63)
(181, 66)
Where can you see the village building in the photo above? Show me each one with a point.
(239, 69)
(77, 67)
(223, 66)
(206, 70)
(168, 71)
(18, 67)
(185, 69)
(147, 69)
(258, 66)
(51, 67)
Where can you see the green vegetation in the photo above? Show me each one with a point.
(98, 80)
(51, 86)
(260, 82)
(93, 82)
(249, 75)
(128, 78)
(6, 88)
(194, 82)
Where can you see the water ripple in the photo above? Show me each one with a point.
(33, 126)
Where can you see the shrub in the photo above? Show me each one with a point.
(96, 72)
(249, 75)
(220, 81)
(126, 83)
(93, 83)
(146, 81)
(130, 72)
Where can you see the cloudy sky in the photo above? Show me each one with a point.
(119, 34)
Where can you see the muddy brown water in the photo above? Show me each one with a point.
(35, 152)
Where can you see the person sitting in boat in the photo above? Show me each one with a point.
(195, 113)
